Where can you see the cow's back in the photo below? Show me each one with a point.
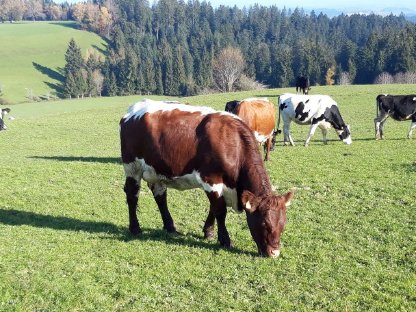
(303, 108)
(400, 107)
(176, 143)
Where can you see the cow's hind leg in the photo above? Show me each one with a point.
(132, 190)
(287, 136)
(160, 195)
(412, 126)
(267, 147)
(379, 125)
(219, 210)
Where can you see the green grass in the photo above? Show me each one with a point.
(32, 56)
(349, 243)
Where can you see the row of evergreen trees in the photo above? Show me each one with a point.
(169, 47)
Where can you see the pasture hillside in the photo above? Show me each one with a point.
(32, 56)
(349, 243)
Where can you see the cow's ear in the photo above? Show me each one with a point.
(288, 198)
(249, 200)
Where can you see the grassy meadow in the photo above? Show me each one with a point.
(32, 56)
(349, 243)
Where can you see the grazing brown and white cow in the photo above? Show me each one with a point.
(399, 107)
(185, 147)
(260, 115)
(3, 111)
(315, 110)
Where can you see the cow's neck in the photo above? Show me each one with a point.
(253, 178)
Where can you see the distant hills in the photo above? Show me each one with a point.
(410, 14)
(32, 57)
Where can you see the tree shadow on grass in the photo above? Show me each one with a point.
(103, 160)
(72, 25)
(15, 217)
(54, 74)
(103, 50)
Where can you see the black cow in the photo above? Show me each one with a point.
(302, 85)
(399, 107)
(3, 111)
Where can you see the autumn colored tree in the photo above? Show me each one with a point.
(228, 68)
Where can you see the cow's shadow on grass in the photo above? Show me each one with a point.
(410, 167)
(15, 217)
(103, 160)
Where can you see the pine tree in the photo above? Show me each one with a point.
(70, 86)
(179, 78)
(73, 58)
(90, 84)
(112, 86)
(74, 85)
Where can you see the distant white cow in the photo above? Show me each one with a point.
(4, 111)
(315, 110)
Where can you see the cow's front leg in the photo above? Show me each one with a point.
(219, 210)
(160, 195)
(209, 225)
(132, 189)
(312, 130)
(324, 135)
(412, 126)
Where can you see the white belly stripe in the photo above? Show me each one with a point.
(139, 169)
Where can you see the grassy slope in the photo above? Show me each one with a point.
(32, 54)
(349, 242)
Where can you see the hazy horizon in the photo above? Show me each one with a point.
(341, 5)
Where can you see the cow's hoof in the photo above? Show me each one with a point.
(209, 235)
(135, 231)
(226, 243)
(170, 229)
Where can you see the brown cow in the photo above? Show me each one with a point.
(260, 116)
(184, 147)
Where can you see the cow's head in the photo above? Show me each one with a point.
(345, 134)
(275, 133)
(3, 111)
(266, 219)
(231, 106)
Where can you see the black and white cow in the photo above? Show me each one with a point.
(302, 84)
(399, 107)
(4, 111)
(315, 110)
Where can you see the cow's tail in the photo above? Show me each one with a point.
(377, 108)
(278, 118)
